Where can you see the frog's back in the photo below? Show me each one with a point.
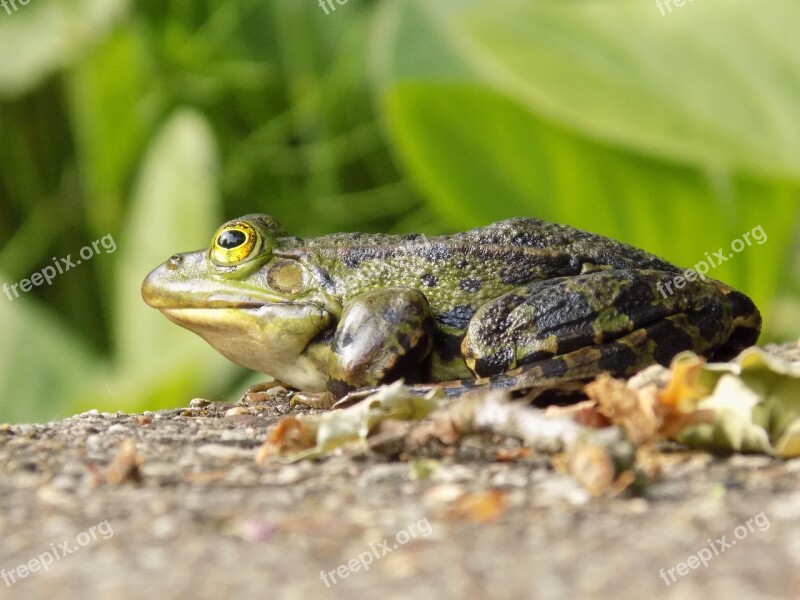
(460, 272)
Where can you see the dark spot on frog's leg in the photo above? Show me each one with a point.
(494, 364)
(429, 280)
(638, 298)
(470, 284)
(670, 338)
(554, 367)
(709, 320)
(458, 317)
(346, 339)
(617, 358)
(463, 263)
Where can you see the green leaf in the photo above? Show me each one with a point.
(173, 209)
(114, 110)
(43, 366)
(705, 86)
(756, 407)
(42, 36)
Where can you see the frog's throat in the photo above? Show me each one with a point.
(274, 339)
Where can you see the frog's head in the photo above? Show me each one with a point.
(258, 309)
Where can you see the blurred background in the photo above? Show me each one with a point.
(675, 129)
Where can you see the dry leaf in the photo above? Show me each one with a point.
(125, 465)
(480, 507)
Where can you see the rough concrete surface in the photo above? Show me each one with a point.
(489, 521)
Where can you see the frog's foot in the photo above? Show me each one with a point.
(314, 399)
(265, 391)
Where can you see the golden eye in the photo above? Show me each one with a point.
(286, 277)
(234, 244)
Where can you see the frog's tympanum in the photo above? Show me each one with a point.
(521, 304)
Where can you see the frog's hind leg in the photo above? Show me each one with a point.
(569, 329)
(746, 324)
(558, 379)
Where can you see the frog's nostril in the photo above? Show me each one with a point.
(175, 261)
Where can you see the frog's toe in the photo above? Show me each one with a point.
(314, 399)
(264, 391)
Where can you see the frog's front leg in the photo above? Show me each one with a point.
(615, 321)
(382, 335)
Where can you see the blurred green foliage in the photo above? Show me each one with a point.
(156, 121)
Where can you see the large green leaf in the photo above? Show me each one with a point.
(113, 110)
(715, 84)
(42, 36)
(174, 209)
(43, 367)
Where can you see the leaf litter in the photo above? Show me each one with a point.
(609, 443)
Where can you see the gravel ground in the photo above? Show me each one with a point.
(189, 514)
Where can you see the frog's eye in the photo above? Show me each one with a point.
(234, 244)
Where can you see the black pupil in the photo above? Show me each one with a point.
(231, 239)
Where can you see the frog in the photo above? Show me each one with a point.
(523, 305)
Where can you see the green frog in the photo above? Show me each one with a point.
(521, 304)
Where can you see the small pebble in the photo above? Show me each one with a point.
(443, 493)
(236, 411)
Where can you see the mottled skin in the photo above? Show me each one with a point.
(520, 304)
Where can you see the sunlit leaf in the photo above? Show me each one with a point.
(39, 360)
(174, 209)
(42, 36)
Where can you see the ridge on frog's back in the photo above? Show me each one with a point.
(523, 302)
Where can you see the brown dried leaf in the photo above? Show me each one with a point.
(480, 507)
(125, 465)
(289, 436)
(636, 411)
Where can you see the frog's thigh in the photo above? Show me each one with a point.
(558, 316)
(382, 335)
